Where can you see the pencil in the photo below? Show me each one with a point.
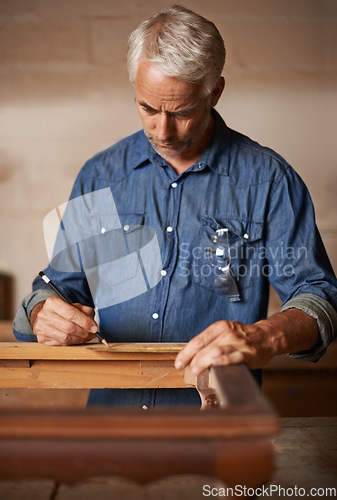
(63, 297)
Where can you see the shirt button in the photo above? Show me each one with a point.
(144, 407)
(174, 185)
(155, 315)
(126, 227)
(169, 229)
(200, 165)
(163, 272)
(103, 230)
(246, 236)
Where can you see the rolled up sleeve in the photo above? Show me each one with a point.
(326, 317)
(22, 328)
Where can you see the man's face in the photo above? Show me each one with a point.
(176, 116)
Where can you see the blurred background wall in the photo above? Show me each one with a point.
(65, 95)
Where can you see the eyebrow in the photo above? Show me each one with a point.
(179, 112)
(147, 106)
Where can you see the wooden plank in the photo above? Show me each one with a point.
(79, 374)
(248, 462)
(143, 446)
(235, 387)
(125, 365)
(168, 423)
(141, 347)
(32, 350)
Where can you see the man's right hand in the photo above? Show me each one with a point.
(56, 322)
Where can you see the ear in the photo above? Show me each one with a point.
(217, 91)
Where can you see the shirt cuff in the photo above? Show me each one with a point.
(326, 317)
(22, 328)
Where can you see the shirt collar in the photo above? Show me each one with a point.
(142, 150)
(216, 155)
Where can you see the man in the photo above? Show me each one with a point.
(230, 217)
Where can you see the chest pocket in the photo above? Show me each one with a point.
(126, 261)
(228, 257)
(114, 237)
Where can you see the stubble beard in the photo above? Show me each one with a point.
(166, 151)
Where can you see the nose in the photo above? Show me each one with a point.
(164, 127)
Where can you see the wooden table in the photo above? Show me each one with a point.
(230, 441)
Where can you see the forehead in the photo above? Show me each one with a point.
(160, 91)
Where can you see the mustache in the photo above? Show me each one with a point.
(168, 142)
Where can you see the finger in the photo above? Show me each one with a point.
(57, 338)
(89, 311)
(198, 343)
(210, 356)
(232, 358)
(71, 314)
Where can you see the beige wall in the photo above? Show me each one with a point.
(65, 95)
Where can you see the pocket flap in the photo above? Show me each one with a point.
(245, 229)
(131, 222)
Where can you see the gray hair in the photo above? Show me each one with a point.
(182, 44)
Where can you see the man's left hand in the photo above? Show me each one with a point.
(228, 342)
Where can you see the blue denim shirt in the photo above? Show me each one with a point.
(238, 219)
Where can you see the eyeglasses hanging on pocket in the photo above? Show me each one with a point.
(220, 259)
